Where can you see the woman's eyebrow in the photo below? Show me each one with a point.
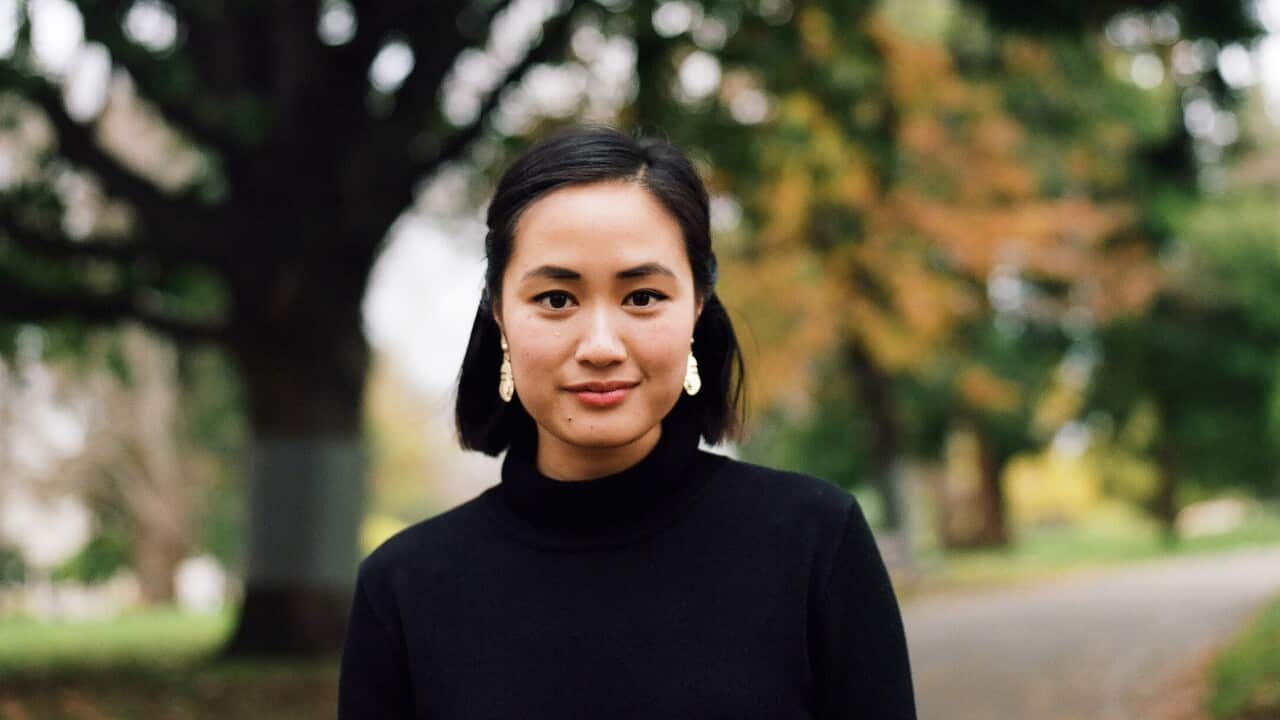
(555, 272)
(649, 268)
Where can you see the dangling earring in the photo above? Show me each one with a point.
(506, 385)
(692, 382)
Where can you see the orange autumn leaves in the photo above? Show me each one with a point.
(897, 256)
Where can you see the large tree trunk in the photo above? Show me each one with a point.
(886, 451)
(994, 530)
(1165, 503)
(971, 498)
(874, 390)
(156, 555)
(162, 491)
(305, 500)
(305, 386)
(1166, 499)
(653, 76)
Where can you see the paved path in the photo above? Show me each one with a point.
(1086, 647)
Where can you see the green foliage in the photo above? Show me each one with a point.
(1121, 454)
(157, 635)
(1210, 378)
(1244, 679)
(1233, 254)
(156, 663)
(67, 342)
(109, 551)
(214, 411)
(12, 569)
(1222, 21)
(1204, 356)
(829, 441)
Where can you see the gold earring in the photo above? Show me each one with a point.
(692, 382)
(506, 385)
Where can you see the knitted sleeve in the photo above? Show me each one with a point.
(859, 648)
(374, 678)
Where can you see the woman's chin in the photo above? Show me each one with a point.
(601, 438)
(600, 433)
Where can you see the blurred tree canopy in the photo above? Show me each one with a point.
(952, 197)
(912, 180)
(306, 149)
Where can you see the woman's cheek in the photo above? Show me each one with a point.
(531, 364)
(663, 356)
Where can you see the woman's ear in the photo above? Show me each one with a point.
(497, 319)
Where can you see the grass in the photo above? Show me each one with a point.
(162, 636)
(1111, 536)
(1244, 680)
(154, 664)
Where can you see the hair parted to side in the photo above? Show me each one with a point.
(575, 157)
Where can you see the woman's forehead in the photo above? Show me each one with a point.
(558, 256)
(601, 228)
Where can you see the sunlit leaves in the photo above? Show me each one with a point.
(908, 192)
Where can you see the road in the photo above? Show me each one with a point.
(1095, 646)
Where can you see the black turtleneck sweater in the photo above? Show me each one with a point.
(689, 585)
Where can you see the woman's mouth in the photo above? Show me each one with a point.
(602, 394)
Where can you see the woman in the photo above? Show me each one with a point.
(617, 570)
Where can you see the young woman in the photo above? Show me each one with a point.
(617, 570)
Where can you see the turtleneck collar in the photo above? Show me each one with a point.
(626, 500)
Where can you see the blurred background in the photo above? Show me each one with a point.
(1009, 272)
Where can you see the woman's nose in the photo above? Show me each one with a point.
(601, 344)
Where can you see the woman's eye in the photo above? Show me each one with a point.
(555, 300)
(646, 298)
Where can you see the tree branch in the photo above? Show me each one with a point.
(183, 107)
(379, 159)
(58, 247)
(61, 248)
(172, 216)
(21, 303)
(555, 36)
(435, 50)
(378, 19)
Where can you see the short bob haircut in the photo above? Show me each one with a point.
(576, 157)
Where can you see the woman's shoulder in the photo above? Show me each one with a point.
(781, 493)
(439, 537)
(779, 510)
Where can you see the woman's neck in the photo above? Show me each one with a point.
(563, 461)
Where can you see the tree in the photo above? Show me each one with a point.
(133, 462)
(1202, 362)
(136, 434)
(1197, 358)
(311, 124)
(305, 158)
(881, 195)
(916, 161)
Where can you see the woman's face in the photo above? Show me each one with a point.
(598, 289)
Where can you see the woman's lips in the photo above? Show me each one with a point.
(603, 399)
(602, 396)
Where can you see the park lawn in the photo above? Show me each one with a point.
(1113, 535)
(1244, 679)
(155, 636)
(153, 663)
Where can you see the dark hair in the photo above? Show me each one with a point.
(576, 157)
